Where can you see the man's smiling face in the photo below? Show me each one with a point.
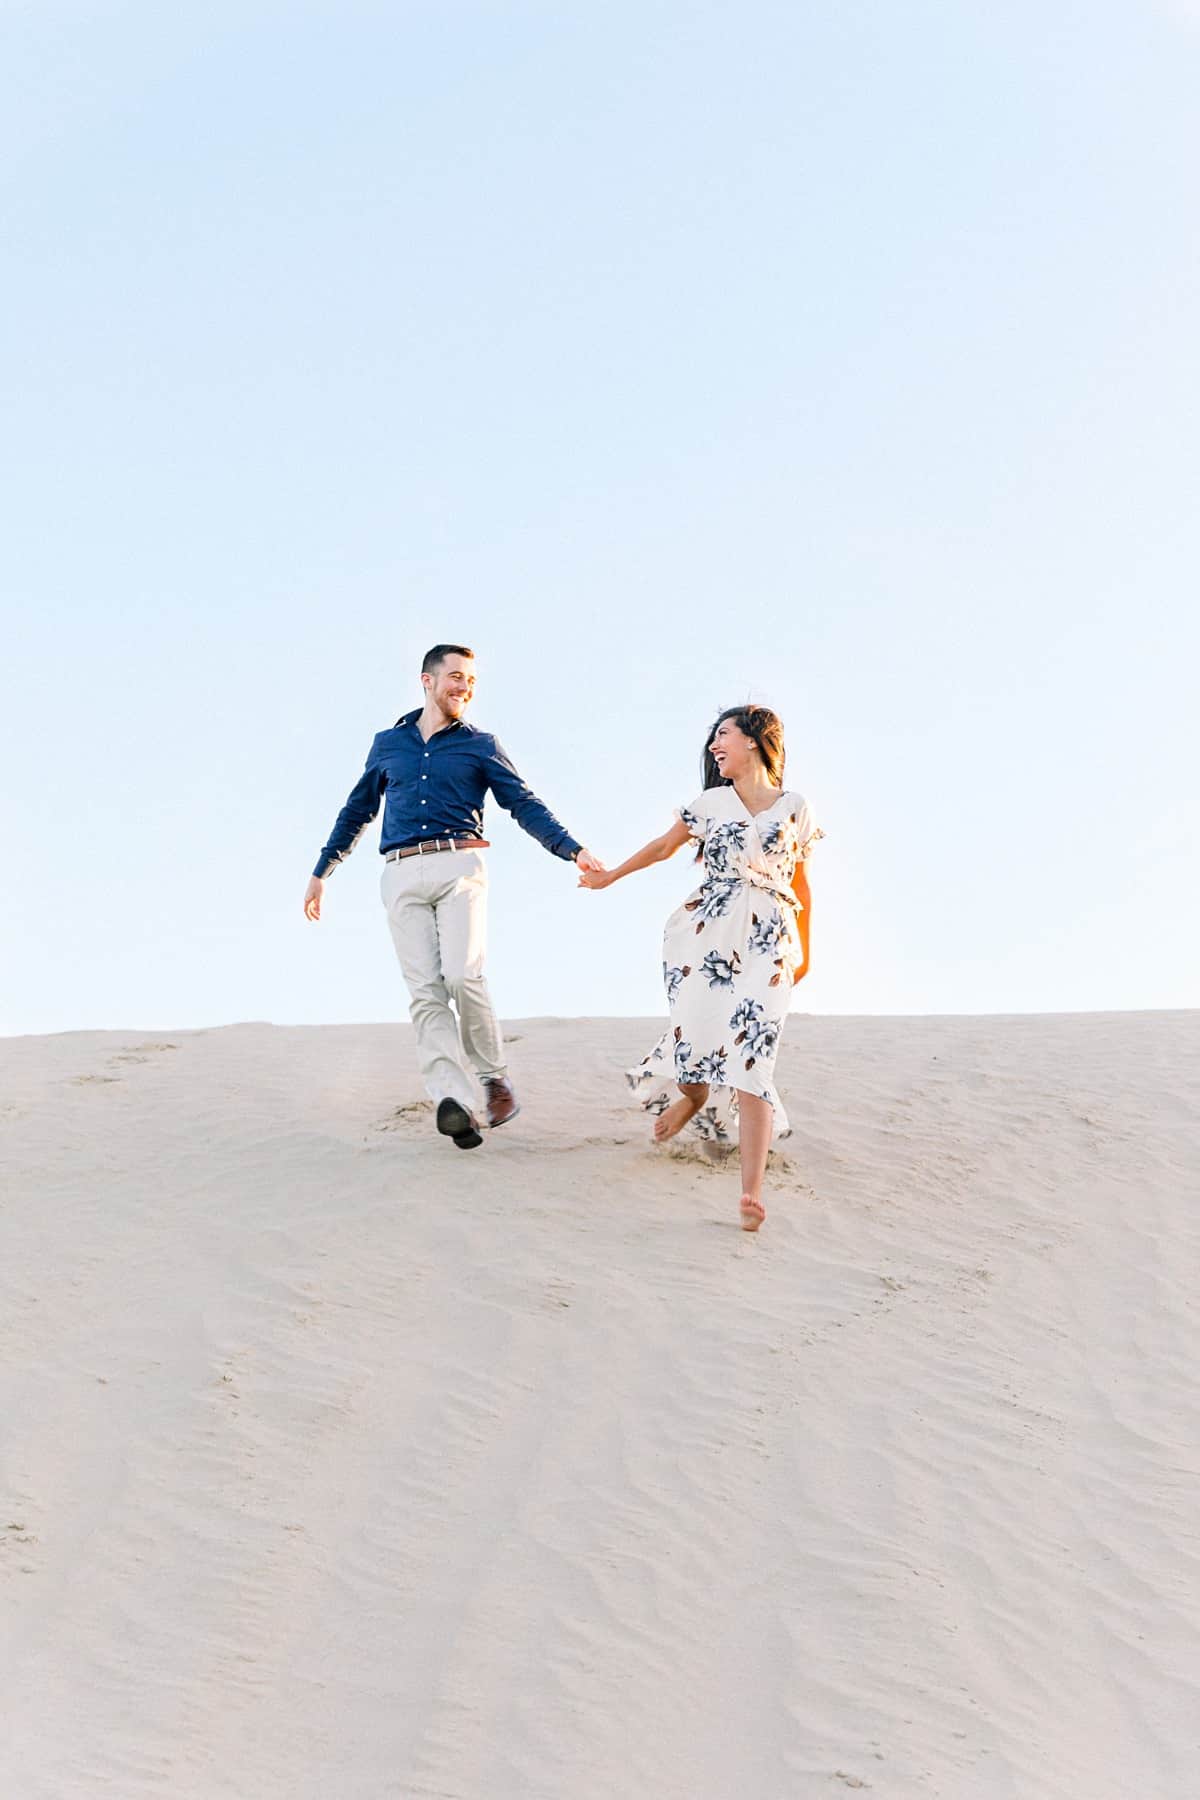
(451, 686)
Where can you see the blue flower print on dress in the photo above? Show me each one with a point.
(766, 934)
(761, 1038)
(714, 899)
(683, 1059)
(672, 978)
(711, 1068)
(772, 837)
(720, 968)
(746, 1013)
(759, 1034)
(724, 845)
(650, 1068)
(709, 1125)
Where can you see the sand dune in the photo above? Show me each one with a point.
(338, 1464)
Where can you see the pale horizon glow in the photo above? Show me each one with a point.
(843, 359)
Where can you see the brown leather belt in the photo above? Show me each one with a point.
(435, 844)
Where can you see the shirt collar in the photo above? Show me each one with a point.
(454, 725)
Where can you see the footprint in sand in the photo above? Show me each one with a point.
(412, 1116)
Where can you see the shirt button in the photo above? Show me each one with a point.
(424, 778)
(422, 803)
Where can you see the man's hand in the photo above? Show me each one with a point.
(312, 898)
(585, 860)
(595, 879)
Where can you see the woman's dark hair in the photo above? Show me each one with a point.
(759, 723)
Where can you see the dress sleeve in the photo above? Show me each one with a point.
(808, 832)
(695, 816)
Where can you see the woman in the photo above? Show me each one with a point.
(732, 952)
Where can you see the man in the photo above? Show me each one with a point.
(431, 772)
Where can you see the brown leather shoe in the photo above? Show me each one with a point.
(501, 1102)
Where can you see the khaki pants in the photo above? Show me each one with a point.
(437, 912)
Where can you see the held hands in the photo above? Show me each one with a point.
(312, 899)
(592, 873)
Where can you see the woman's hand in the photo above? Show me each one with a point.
(593, 874)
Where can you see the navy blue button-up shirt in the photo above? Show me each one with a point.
(437, 789)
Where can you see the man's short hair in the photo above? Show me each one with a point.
(436, 657)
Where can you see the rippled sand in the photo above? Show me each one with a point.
(338, 1464)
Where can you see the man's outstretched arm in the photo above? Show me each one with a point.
(361, 807)
(532, 814)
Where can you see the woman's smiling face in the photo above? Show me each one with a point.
(733, 752)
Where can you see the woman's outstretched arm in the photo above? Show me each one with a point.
(656, 851)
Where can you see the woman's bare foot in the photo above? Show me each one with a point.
(753, 1213)
(677, 1115)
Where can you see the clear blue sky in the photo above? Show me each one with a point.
(845, 357)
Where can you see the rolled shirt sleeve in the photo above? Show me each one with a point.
(361, 807)
(531, 814)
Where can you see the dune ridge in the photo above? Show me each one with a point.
(335, 1463)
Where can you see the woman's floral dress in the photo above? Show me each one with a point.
(729, 954)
